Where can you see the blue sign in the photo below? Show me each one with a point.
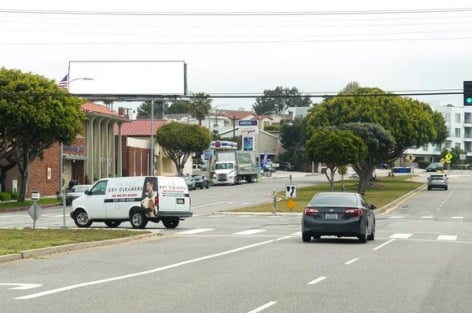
(248, 143)
(247, 122)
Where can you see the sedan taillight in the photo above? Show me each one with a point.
(353, 211)
(311, 211)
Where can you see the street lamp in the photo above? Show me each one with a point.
(62, 183)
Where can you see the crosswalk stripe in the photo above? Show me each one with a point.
(249, 232)
(400, 236)
(447, 237)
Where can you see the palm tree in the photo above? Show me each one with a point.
(200, 106)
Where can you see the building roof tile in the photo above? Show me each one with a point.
(141, 127)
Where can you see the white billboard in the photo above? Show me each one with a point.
(133, 79)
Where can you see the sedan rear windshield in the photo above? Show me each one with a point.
(334, 200)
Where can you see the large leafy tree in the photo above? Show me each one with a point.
(200, 106)
(179, 106)
(292, 138)
(179, 141)
(380, 144)
(144, 110)
(35, 113)
(279, 99)
(410, 122)
(335, 148)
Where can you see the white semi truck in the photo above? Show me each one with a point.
(233, 166)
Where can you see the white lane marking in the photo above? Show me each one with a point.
(457, 217)
(21, 286)
(283, 238)
(315, 281)
(447, 237)
(194, 231)
(352, 261)
(152, 271)
(298, 233)
(207, 205)
(384, 244)
(263, 307)
(249, 232)
(396, 216)
(428, 216)
(401, 236)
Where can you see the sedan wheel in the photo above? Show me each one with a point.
(363, 237)
(372, 235)
(306, 237)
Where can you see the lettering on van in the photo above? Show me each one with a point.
(124, 189)
(170, 190)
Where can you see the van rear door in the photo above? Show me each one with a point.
(173, 195)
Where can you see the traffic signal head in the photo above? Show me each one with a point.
(467, 92)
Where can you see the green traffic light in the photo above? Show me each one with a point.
(468, 100)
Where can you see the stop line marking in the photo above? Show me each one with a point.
(447, 237)
(249, 232)
(194, 231)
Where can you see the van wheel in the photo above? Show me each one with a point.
(112, 224)
(171, 222)
(81, 219)
(138, 219)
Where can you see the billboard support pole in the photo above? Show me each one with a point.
(152, 139)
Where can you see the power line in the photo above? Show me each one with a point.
(241, 13)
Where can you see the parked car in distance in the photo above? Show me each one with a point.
(353, 175)
(434, 167)
(383, 166)
(270, 166)
(437, 181)
(341, 214)
(286, 166)
(75, 192)
(190, 182)
(201, 181)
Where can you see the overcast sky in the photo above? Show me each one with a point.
(246, 47)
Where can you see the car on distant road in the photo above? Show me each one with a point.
(286, 166)
(434, 167)
(437, 181)
(341, 214)
(190, 182)
(201, 181)
(353, 175)
(75, 192)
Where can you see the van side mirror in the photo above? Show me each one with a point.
(372, 207)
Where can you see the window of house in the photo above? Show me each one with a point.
(467, 117)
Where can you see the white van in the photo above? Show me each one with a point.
(137, 199)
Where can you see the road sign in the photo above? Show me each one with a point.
(410, 158)
(290, 204)
(290, 191)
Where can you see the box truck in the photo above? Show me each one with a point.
(233, 166)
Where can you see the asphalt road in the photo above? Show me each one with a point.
(214, 262)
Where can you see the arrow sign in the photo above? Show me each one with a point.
(21, 286)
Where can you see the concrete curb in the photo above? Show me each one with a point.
(389, 207)
(75, 246)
